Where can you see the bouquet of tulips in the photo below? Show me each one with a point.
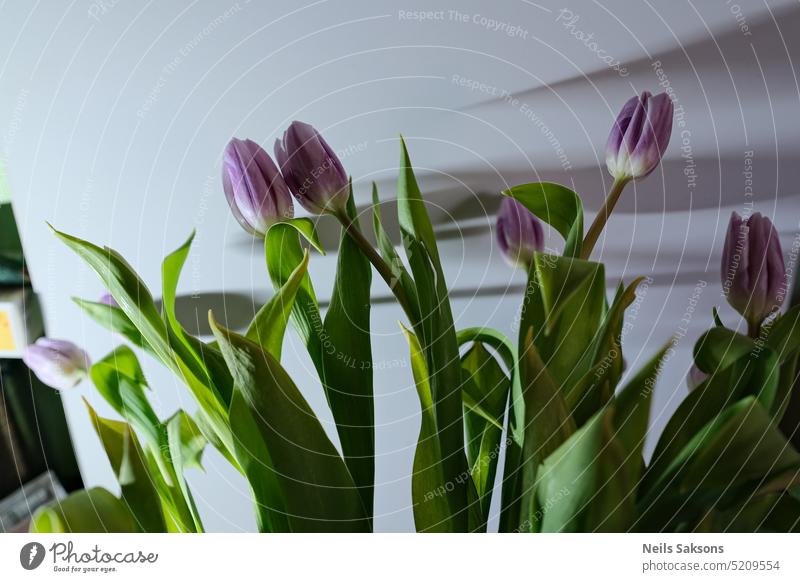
(554, 411)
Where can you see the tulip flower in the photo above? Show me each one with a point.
(519, 233)
(58, 363)
(637, 141)
(639, 136)
(108, 299)
(254, 187)
(312, 170)
(753, 271)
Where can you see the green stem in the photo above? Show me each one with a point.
(602, 217)
(753, 328)
(380, 265)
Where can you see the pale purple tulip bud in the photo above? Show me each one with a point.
(753, 271)
(639, 136)
(695, 377)
(108, 299)
(519, 233)
(58, 363)
(312, 170)
(254, 187)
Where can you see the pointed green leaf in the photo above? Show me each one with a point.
(719, 347)
(93, 510)
(262, 478)
(205, 362)
(429, 484)
(190, 439)
(317, 488)
(129, 465)
(388, 253)
(746, 377)
(284, 254)
(269, 325)
(178, 447)
(485, 392)
(581, 487)
(136, 302)
(436, 334)
(558, 206)
(113, 319)
(120, 380)
(348, 362)
(548, 424)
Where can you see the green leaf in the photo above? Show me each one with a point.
(204, 362)
(129, 465)
(631, 415)
(113, 319)
(318, 490)
(284, 254)
(128, 290)
(485, 387)
(776, 513)
(93, 510)
(348, 362)
(746, 377)
(119, 378)
(269, 325)
(267, 329)
(436, 334)
(253, 456)
(548, 424)
(597, 385)
(784, 334)
(632, 407)
(558, 206)
(510, 498)
(573, 301)
(190, 439)
(717, 319)
(747, 449)
(719, 347)
(581, 488)
(205, 426)
(400, 275)
(508, 353)
(179, 445)
(429, 483)
(590, 482)
(485, 392)
(305, 226)
(136, 302)
(734, 456)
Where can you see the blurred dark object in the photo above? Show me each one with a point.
(790, 423)
(34, 436)
(12, 262)
(17, 509)
(37, 461)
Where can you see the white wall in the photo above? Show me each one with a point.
(114, 114)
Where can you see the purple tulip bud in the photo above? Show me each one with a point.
(695, 377)
(312, 169)
(519, 233)
(254, 187)
(108, 299)
(58, 363)
(640, 136)
(753, 272)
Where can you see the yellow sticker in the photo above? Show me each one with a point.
(7, 343)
